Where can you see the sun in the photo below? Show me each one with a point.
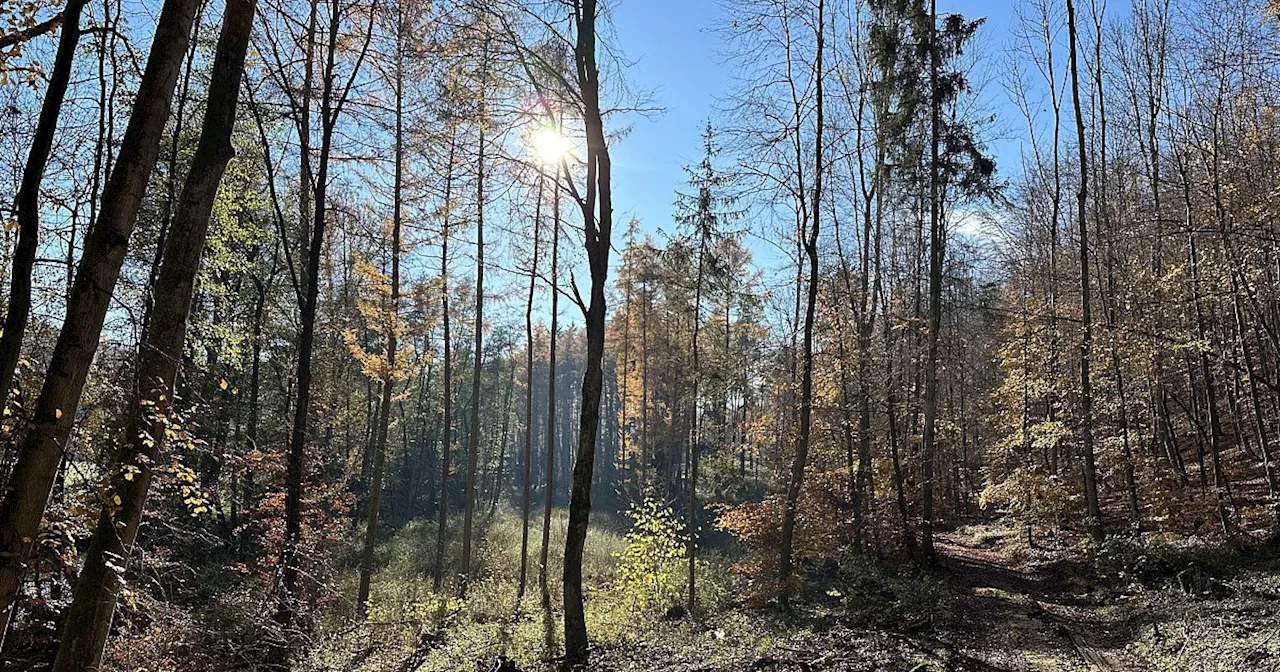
(549, 146)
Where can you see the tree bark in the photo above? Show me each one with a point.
(28, 200)
(42, 449)
(89, 619)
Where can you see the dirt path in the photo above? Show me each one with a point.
(1013, 618)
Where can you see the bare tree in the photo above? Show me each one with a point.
(28, 198)
(810, 224)
(333, 99)
(1086, 317)
(596, 203)
(401, 36)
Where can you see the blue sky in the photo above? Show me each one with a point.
(679, 58)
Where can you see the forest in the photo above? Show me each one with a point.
(346, 335)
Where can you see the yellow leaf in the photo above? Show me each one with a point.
(116, 499)
(57, 412)
(223, 384)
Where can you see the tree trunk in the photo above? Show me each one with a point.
(473, 441)
(696, 438)
(550, 429)
(28, 200)
(937, 256)
(442, 518)
(598, 227)
(42, 448)
(801, 457)
(1086, 319)
(89, 619)
(374, 502)
(331, 104)
(527, 462)
(255, 389)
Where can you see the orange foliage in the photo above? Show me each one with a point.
(824, 525)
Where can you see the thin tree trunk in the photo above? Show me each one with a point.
(696, 437)
(447, 428)
(551, 403)
(498, 480)
(473, 442)
(389, 376)
(28, 199)
(1086, 318)
(528, 400)
(331, 103)
(801, 457)
(1220, 485)
(597, 218)
(937, 254)
(255, 388)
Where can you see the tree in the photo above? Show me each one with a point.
(89, 619)
(702, 211)
(527, 458)
(27, 203)
(596, 203)
(446, 441)
(473, 432)
(41, 449)
(333, 99)
(810, 222)
(391, 317)
(937, 252)
(1086, 320)
(552, 337)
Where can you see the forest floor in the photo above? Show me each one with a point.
(1007, 615)
(1138, 605)
(992, 603)
(1014, 615)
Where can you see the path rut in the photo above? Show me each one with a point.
(1016, 618)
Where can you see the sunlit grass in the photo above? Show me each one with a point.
(406, 614)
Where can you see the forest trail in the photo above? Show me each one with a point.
(1014, 617)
